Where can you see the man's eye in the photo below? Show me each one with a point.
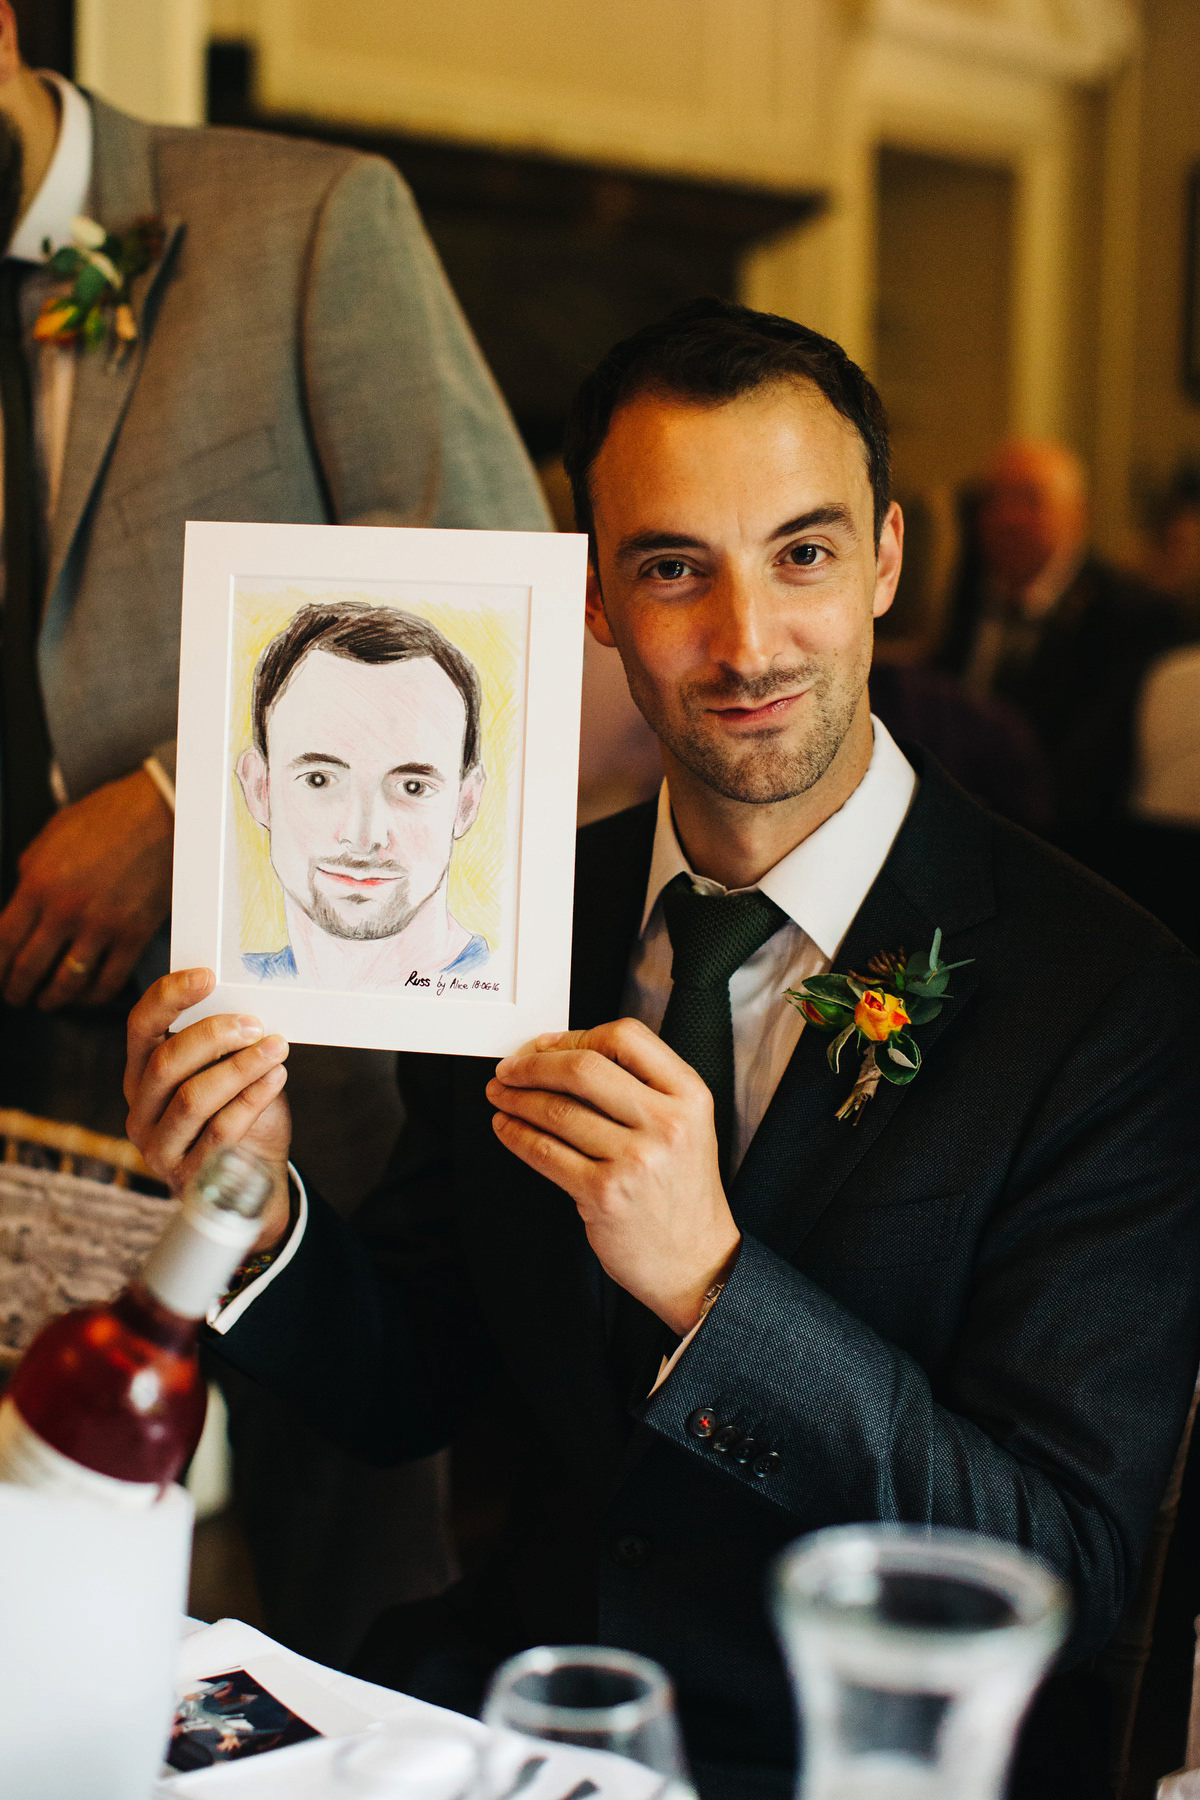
(672, 568)
(806, 556)
(316, 778)
(415, 788)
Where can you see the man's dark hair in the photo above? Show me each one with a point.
(366, 634)
(710, 351)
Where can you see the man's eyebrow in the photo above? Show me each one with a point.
(834, 514)
(418, 769)
(643, 541)
(317, 756)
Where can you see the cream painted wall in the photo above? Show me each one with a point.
(800, 92)
(1165, 421)
(145, 55)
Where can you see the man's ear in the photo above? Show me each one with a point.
(469, 796)
(251, 771)
(594, 613)
(888, 559)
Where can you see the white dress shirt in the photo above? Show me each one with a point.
(820, 885)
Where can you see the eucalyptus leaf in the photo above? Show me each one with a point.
(920, 1012)
(834, 1052)
(916, 969)
(826, 987)
(904, 1045)
(90, 285)
(898, 1077)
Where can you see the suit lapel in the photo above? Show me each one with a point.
(124, 190)
(938, 874)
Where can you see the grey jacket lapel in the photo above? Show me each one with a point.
(938, 874)
(124, 190)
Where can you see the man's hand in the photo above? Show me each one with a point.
(93, 888)
(625, 1126)
(216, 1083)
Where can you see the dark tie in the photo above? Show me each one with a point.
(711, 936)
(25, 742)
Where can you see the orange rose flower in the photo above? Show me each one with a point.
(56, 320)
(879, 1016)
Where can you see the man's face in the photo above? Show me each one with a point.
(738, 577)
(1033, 511)
(362, 790)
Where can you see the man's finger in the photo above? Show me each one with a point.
(560, 1115)
(585, 1076)
(233, 1122)
(565, 1167)
(191, 1109)
(17, 921)
(34, 960)
(627, 1043)
(112, 971)
(153, 1016)
(75, 977)
(179, 1059)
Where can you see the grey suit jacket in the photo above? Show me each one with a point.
(301, 359)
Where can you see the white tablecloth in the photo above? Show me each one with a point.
(343, 1708)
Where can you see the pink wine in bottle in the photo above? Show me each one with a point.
(108, 1401)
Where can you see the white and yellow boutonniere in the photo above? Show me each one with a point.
(879, 1018)
(102, 265)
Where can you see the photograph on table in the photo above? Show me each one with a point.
(376, 783)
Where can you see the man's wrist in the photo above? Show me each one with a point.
(696, 1309)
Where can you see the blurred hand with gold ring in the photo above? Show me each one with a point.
(76, 965)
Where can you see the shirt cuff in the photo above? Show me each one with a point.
(221, 1317)
(161, 780)
(669, 1362)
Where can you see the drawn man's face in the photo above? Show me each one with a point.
(362, 790)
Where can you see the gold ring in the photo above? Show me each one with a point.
(76, 965)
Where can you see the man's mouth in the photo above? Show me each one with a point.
(352, 878)
(766, 712)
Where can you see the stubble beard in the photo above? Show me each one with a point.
(770, 768)
(388, 921)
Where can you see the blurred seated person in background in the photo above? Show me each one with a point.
(981, 741)
(1036, 620)
(1171, 561)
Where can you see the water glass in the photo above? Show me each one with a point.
(596, 1699)
(914, 1652)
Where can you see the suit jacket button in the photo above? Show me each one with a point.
(630, 1551)
(767, 1465)
(744, 1451)
(729, 1438)
(703, 1422)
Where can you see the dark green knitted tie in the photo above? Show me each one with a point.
(711, 936)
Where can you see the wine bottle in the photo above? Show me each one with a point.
(108, 1401)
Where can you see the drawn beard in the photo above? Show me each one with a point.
(12, 175)
(384, 922)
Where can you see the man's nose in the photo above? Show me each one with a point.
(365, 821)
(741, 622)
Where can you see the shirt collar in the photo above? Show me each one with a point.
(822, 883)
(64, 190)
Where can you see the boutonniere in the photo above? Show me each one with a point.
(880, 1015)
(102, 266)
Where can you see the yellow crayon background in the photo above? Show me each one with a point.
(494, 639)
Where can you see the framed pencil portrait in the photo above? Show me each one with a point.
(376, 781)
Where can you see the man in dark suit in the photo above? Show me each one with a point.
(977, 1307)
(1057, 633)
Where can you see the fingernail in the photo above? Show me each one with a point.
(504, 1065)
(195, 978)
(249, 1030)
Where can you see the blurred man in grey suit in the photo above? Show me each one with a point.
(298, 358)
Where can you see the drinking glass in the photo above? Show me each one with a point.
(599, 1700)
(914, 1653)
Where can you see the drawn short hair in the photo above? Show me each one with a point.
(368, 634)
(712, 351)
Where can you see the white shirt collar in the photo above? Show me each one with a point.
(822, 883)
(64, 191)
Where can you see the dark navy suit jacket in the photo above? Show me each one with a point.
(976, 1308)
